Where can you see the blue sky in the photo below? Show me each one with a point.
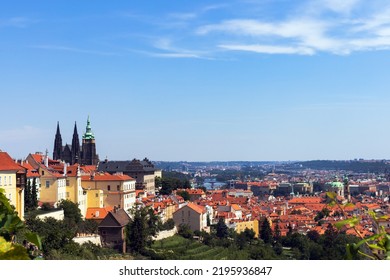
(198, 80)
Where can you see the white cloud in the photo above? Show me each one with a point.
(340, 6)
(269, 49)
(169, 51)
(308, 34)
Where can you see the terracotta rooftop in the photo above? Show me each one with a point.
(7, 163)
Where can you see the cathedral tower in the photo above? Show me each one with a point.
(89, 156)
(57, 151)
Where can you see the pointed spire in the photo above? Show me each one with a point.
(88, 132)
(58, 128)
(75, 146)
(75, 128)
(57, 150)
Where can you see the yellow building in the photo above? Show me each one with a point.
(253, 225)
(53, 183)
(12, 180)
(95, 198)
(74, 190)
(118, 189)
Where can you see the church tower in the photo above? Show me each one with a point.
(57, 151)
(75, 146)
(89, 156)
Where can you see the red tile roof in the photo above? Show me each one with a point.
(31, 171)
(96, 213)
(8, 164)
(197, 208)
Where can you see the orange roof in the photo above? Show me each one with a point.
(88, 168)
(236, 207)
(37, 157)
(31, 171)
(97, 213)
(7, 163)
(138, 192)
(197, 208)
(195, 191)
(305, 200)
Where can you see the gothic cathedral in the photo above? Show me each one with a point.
(84, 154)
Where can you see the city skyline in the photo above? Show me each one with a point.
(199, 81)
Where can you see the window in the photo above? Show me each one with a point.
(5, 180)
(108, 187)
(10, 180)
(43, 173)
(96, 195)
(0, 180)
(118, 187)
(47, 184)
(67, 183)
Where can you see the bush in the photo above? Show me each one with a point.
(168, 225)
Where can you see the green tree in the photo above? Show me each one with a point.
(185, 231)
(222, 229)
(266, 232)
(168, 225)
(34, 194)
(10, 226)
(143, 225)
(72, 211)
(28, 197)
(277, 232)
(55, 234)
(184, 194)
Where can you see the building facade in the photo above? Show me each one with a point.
(143, 171)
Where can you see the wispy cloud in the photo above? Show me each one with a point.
(337, 6)
(72, 49)
(166, 49)
(269, 49)
(306, 33)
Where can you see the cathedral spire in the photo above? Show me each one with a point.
(58, 129)
(57, 150)
(75, 145)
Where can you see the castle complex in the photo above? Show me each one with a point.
(84, 154)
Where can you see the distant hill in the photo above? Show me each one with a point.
(357, 166)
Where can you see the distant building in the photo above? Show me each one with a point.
(193, 215)
(143, 171)
(84, 154)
